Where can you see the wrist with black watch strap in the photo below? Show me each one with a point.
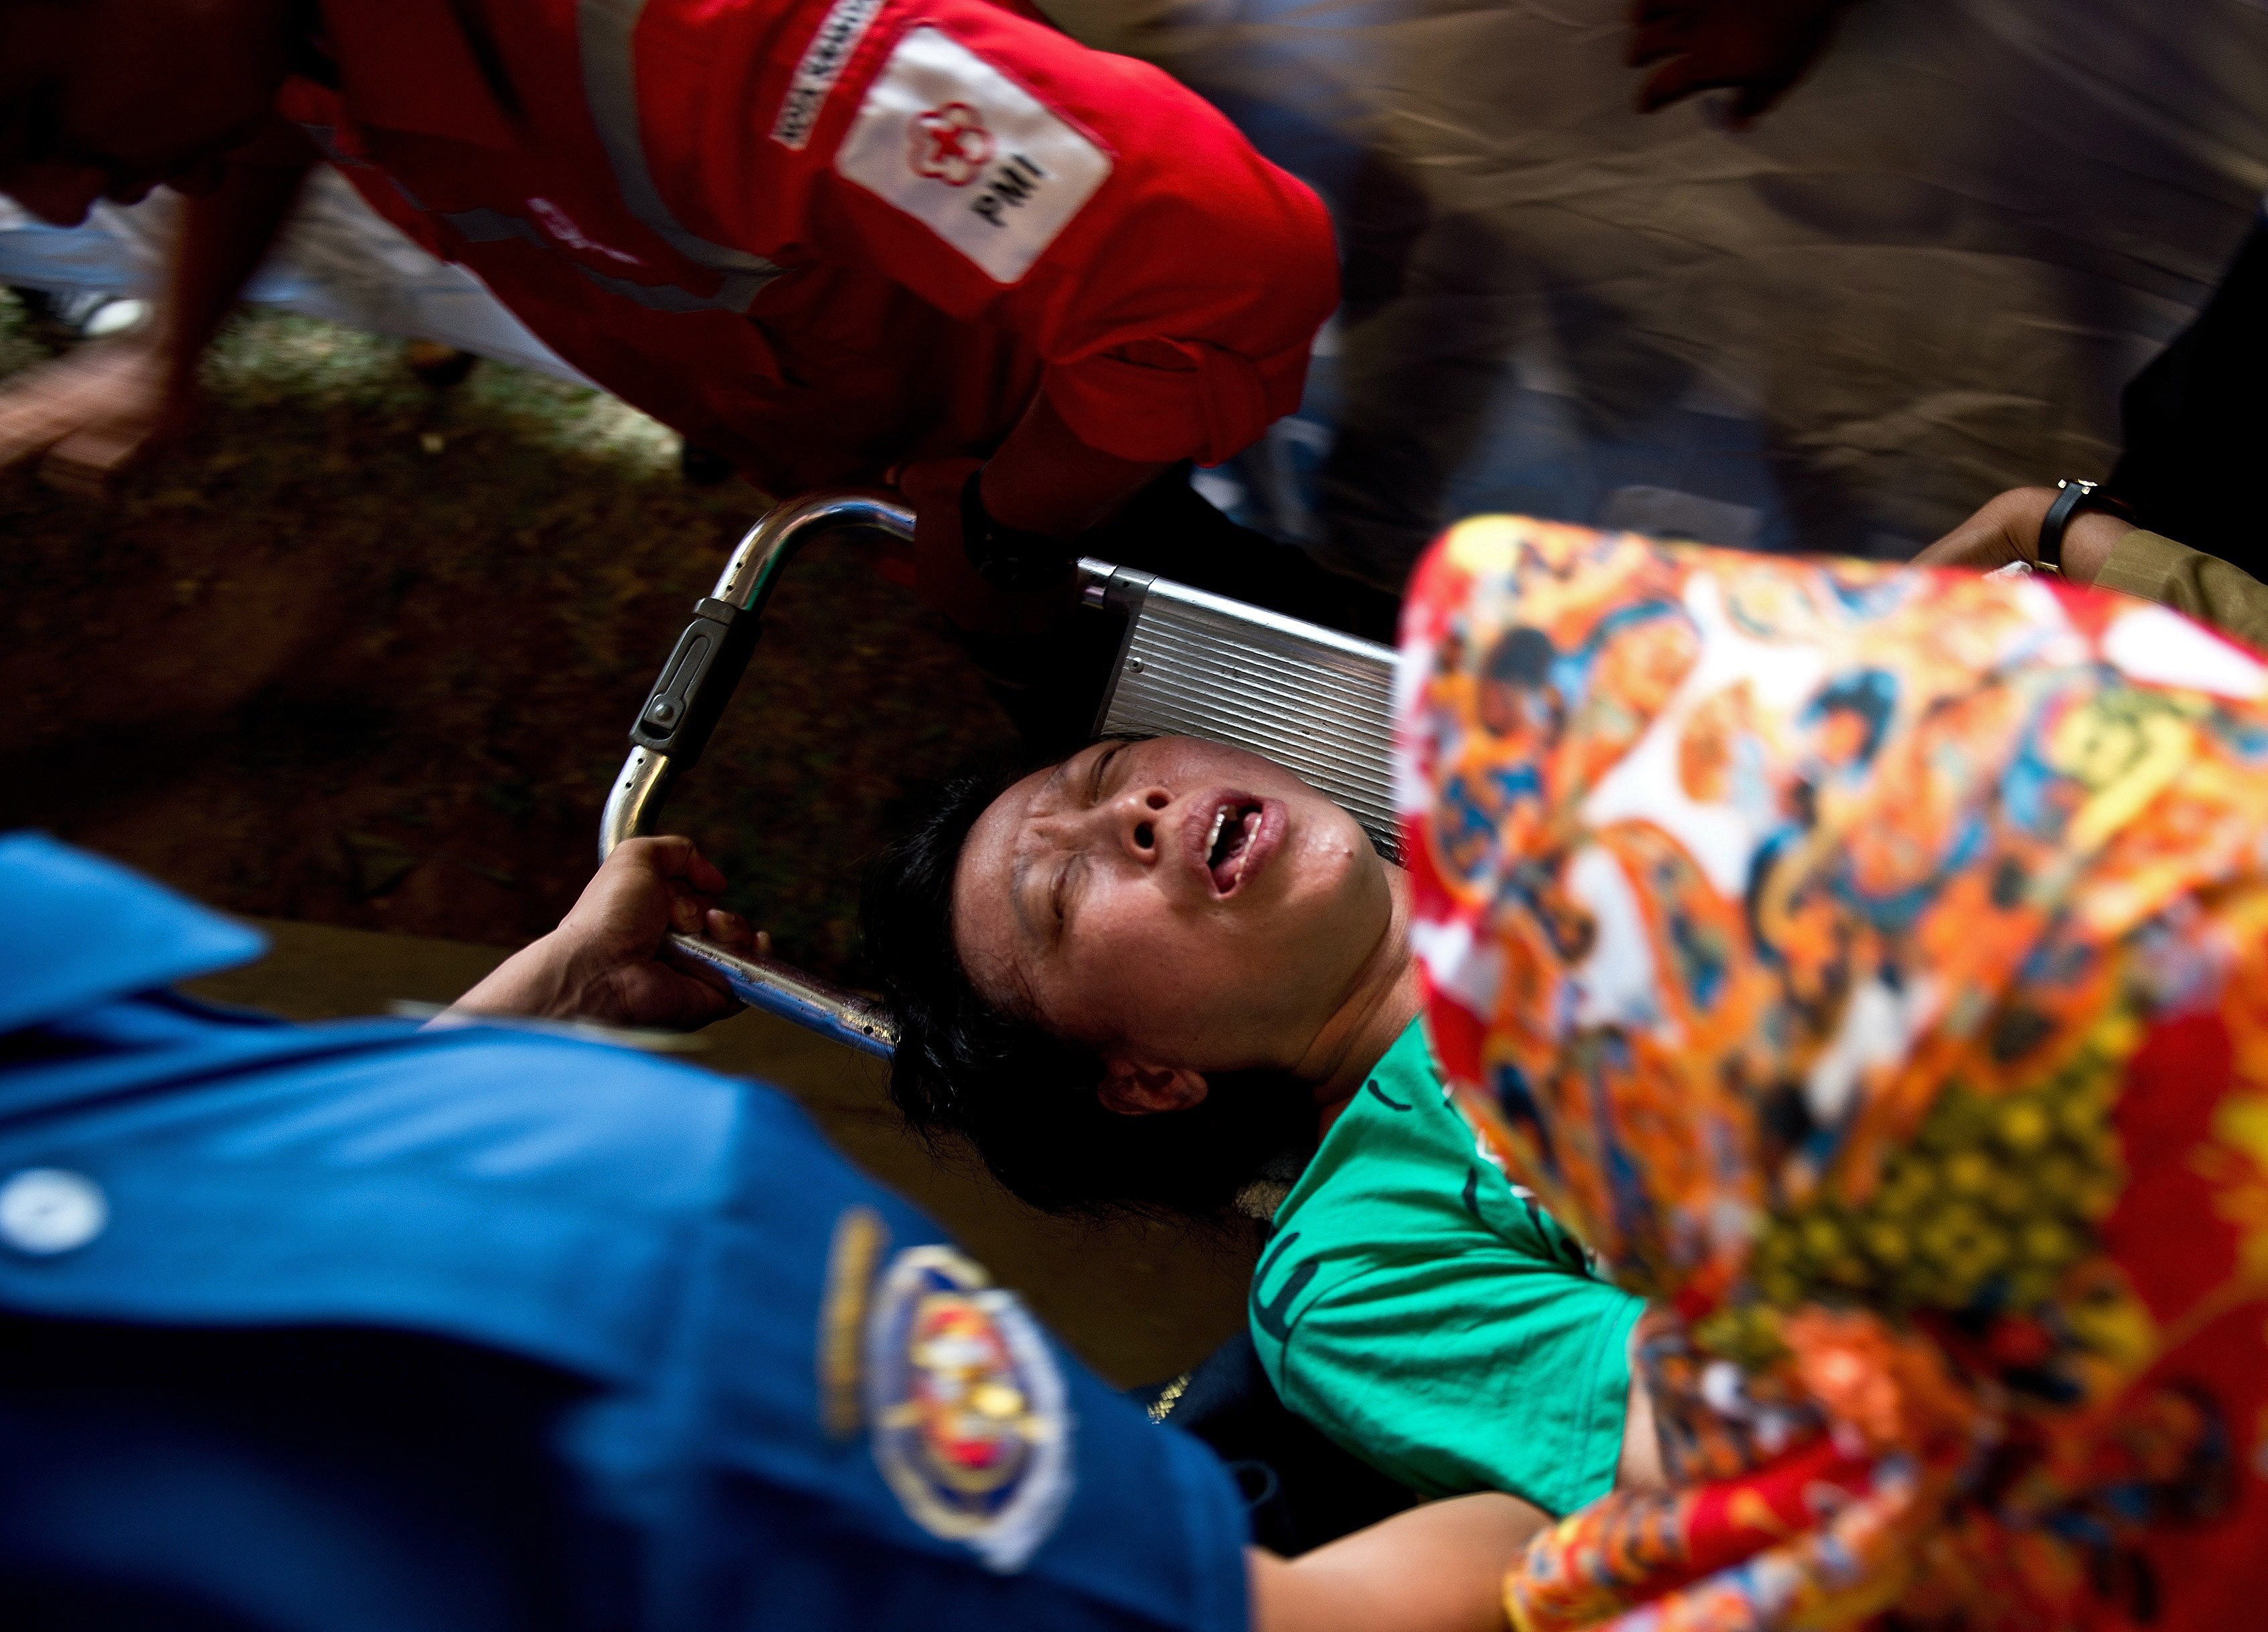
(1010, 559)
(2074, 497)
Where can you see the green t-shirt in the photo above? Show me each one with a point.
(1432, 1318)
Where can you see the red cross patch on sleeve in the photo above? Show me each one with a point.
(954, 142)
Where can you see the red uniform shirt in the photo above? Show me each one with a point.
(823, 236)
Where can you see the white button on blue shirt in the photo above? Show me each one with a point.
(45, 1211)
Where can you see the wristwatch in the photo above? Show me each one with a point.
(1009, 559)
(2074, 497)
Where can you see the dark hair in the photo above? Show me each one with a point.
(1027, 1099)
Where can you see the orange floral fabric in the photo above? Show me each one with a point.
(1869, 965)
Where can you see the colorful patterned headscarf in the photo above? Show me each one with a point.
(1872, 967)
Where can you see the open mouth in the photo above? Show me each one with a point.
(1241, 832)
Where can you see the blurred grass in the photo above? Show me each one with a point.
(363, 653)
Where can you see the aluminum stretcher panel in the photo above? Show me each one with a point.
(1315, 701)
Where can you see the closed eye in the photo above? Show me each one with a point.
(1101, 766)
(1059, 887)
(1063, 894)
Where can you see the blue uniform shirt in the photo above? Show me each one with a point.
(358, 1325)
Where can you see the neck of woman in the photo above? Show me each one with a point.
(1385, 995)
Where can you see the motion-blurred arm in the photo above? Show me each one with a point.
(1759, 48)
(1437, 1568)
(92, 411)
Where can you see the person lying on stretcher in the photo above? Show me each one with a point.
(1137, 975)
(1779, 943)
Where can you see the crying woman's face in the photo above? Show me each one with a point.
(1178, 900)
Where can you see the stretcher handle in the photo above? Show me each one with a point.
(681, 709)
(712, 652)
(697, 683)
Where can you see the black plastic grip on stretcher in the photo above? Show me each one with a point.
(696, 682)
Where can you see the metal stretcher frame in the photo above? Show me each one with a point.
(1191, 664)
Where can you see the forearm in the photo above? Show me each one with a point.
(1439, 1567)
(609, 961)
(224, 236)
(1639, 1465)
(2205, 587)
(1045, 480)
(2006, 529)
(534, 981)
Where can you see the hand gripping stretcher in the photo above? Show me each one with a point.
(1315, 701)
